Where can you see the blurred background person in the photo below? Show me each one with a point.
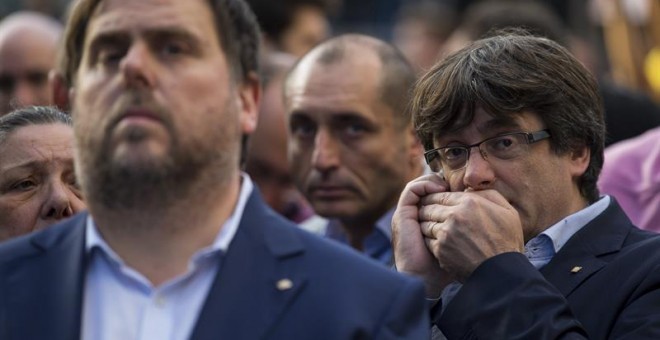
(421, 30)
(37, 181)
(631, 173)
(292, 26)
(266, 161)
(28, 47)
(352, 148)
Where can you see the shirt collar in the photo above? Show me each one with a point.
(563, 230)
(93, 238)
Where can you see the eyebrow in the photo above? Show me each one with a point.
(113, 37)
(35, 164)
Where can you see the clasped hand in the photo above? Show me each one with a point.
(442, 236)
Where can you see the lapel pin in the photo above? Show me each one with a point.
(284, 284)
(576, 269)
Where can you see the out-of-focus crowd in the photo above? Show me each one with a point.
(353, 120)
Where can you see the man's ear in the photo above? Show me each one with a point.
(60, 91)
(415, 151)
(580, 158)
(249, 96)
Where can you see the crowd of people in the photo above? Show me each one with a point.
(230, 169)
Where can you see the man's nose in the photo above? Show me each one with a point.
(326, 151)
(137, 66)
(478, 172)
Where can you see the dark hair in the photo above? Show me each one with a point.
(396, 77)
(32, 115)
(506, 75)
(236, 26)
(276, 16)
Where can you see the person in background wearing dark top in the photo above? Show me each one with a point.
(177, 243)
(292, 26)
(28, 45)
(38, 184)
(511, 234)
(627, 113)
(351, 145)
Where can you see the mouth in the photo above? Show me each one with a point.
(329, 192)
(138, 115)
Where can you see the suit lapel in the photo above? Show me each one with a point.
(44, 290)
(584, 254)
(257, 278)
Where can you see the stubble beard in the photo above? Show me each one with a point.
(153, 183)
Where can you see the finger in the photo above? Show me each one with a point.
(435, 213)
(420, 187)
(427, 229)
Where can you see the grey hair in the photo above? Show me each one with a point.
(32, 115)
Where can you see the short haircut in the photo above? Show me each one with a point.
(396, 77)
(506, 75)
(32, 115)
(236, 25)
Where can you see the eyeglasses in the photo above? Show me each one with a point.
(504, 147)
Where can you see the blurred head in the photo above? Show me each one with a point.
(28, 45)
(292, 26)
(351, 145)
(162, 93)
(37, 181)
(510, 83)
(421, 31)
(267, 152)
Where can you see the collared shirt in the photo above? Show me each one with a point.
(540, 249)
(377, 245)
(120, 303)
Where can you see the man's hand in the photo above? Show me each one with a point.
(410, 252)
(463, 229)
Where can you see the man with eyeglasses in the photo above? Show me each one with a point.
(510, 233)
(28, 45)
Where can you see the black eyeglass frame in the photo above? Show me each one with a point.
(530, 138)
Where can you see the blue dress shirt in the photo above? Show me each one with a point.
(120, 303)
(377, 245)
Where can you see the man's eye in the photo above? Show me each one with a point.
(110, 56)
(354, 130)
(24, 185)
(454, 153)
(173, 48)
(503, 143)
(302, 130)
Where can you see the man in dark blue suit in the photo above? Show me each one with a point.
(511, 235)
(177, 243)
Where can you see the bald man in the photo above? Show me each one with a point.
(28, 45)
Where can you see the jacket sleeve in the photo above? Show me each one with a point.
(507, 298)
(407, 316)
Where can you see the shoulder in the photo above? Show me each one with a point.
(32, 244)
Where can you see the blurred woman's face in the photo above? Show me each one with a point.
(37, 181)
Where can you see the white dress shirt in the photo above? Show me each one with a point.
(121, 304)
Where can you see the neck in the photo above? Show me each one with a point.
(357, 231)
(159, 241)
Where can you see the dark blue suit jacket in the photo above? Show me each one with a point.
(603, 284)
(336, 293)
